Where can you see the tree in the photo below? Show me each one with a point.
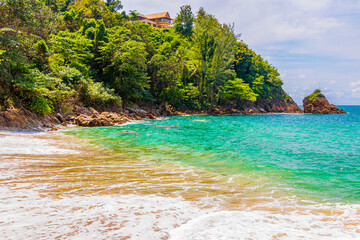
(71, 49)
(235, 90)
(258, 73)
(184, 21)
(164, 75)
(114, 5)
(125, 66)
(14, 64)
(213, 54)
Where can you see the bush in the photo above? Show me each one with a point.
(96, 95)
(40, 105)
(312, 97)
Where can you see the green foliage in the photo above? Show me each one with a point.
(56, 51)
(184, 21)
(99, 9)
(96, 95)
(213, 55)
(14, 64)
(237, 89)
(40, 105)
(127, 65)
(114, 5)
(258, 73)
(312, 97)
(70, 49)
(165, 76)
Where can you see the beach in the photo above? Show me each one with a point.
(58, 186)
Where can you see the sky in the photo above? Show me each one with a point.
(313, 43)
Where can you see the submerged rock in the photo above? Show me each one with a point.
(317, 103)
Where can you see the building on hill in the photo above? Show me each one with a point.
(159, 20)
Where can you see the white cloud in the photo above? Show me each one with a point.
(311, 5)
(356, 90)
(354, 84)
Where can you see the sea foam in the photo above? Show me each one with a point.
(229, 225)
(17, 143)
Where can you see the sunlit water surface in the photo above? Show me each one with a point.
(190, 177)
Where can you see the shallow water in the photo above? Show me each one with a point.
(232, 177)
(313, 156)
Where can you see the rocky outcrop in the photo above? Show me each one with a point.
(24, 120)
(21, 120)
(273, 106)
(317, 103)
(280, 106)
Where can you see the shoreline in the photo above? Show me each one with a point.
(21, 120)
(96, 196)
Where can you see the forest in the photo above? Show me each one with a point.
(57, 52)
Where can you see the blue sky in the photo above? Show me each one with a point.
(313, 43)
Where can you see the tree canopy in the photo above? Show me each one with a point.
(56, 51)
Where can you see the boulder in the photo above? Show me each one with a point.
(60, 117)
(317, 103)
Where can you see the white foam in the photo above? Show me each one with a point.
(264, 225)
(26, 214)
(29, 216)
(29, 144)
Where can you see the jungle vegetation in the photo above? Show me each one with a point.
(54, 52)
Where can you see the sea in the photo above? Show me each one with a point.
(273, 176)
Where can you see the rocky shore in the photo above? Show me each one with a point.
(24, 120)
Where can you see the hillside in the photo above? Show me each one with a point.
(55, 55)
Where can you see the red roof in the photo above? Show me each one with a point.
(158, 15)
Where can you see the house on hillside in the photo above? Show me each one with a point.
(159, 20)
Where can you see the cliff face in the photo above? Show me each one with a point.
(277, 106)
(273, 106)
(320, 105)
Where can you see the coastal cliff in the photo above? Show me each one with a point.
(317, 103)
(277, 106)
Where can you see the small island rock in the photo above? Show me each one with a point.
(317, 103)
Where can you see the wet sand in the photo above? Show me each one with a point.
(55, 186)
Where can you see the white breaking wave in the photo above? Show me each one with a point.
(28, 215)
(17, 143)
(234, 225)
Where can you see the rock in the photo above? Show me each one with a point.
(215, 111)
(82, 110)
(150, 116)
(60, 117)
(93, 111)
(21, 119)
(70, 118)
(141, 113)
(317, 103)
(105, 122)
(136, 107)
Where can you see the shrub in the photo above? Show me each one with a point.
(312, 97)
(97, 95)
(40, 105)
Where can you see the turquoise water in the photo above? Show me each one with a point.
(315, 157)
